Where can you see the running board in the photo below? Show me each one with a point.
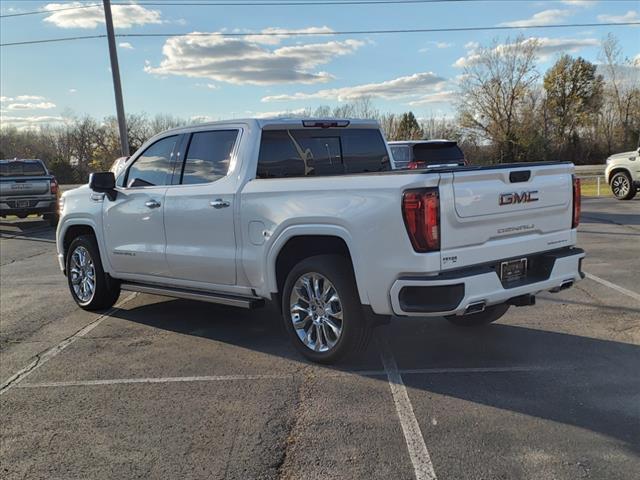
(211, 297)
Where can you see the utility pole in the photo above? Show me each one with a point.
(117, 88)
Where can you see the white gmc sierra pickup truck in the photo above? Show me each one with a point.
(308, 214)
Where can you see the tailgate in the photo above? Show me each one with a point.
(504, 212)
(24, 187)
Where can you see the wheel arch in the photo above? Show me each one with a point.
(619, 170)
(73, 229)
(299, 242)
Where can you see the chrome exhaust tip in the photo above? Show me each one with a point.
(475, 307)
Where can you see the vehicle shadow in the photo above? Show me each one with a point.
(584, 382)
(30, 228)
(615, 218)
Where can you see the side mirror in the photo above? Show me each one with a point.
(103, 182)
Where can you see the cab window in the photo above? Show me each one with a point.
(208, 156)
(154, 166)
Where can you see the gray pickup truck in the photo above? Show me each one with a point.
(27, 188)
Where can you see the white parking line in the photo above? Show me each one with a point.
(288, 376)
(618, 288)
(418, 453)
(47, 355)
(123, 381)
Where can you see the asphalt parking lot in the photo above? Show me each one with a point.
(162, 388)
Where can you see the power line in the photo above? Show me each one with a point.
(292, 3)
(36, 12)
(344, 32)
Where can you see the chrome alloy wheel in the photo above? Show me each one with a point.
(620, 185)
(83, 274)
(316, 312)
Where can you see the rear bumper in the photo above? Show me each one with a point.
(9, 207)
(453, 292)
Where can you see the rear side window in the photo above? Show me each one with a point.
(208, 156)
(437, 152)
(155, 165)
(299, 153)
(22, 169)
(401, 154)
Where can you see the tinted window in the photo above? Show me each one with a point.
(155, 165)
(364, 151)
(296, 153)
(438, 152)
(22, 169)
(401, 155)
(208, 156)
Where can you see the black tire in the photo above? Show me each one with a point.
(106, 290)
(622, 187)
(355, 331)
(21, 217)
(490, 314)
(51, 219)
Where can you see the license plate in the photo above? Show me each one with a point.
(513, 270)
(23, 203)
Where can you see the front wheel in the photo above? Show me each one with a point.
(90, 286)
(622, 187)
(488, 315)
(322, 311)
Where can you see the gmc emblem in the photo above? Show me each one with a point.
(522, 197)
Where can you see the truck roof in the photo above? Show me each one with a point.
(280, 122)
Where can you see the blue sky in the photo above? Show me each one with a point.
(214, 77)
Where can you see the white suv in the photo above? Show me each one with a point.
(623, 174)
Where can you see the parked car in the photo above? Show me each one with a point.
(307, 214)
(622, 173)
(415, 154)
(27, 188)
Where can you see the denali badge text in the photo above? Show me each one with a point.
(522, 197)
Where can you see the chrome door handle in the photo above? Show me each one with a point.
(152, 204)
(219, 203)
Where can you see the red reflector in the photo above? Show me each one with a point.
(421, 212)
(577, 199)
(54, 186)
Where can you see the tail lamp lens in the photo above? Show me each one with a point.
(54, 186)
(421, 212)
(577, 198)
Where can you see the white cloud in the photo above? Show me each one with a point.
(22, 98)
(579, 3)
(630, 16)
(440, 45)
(30, 121)
(124, 16)
(72, 90)
(445, 96)
(125, 45)
(411, 85)
(636, 60)
(300, 112)
(546, 17)
(31, 106)
(546, 48)
(273, 35)
(240, 61)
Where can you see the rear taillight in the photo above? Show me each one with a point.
(413, 165)
(577, 197)
(54, 186)
(421, 212)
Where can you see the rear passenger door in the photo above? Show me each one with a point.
(199, 210)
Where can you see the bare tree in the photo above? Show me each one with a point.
(494, 86)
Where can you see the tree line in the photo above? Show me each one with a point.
(507, 111)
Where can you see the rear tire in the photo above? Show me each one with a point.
(90, 287)
(490, 314)
(320, 297)
(622, 187)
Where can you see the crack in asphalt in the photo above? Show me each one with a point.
(15, 260)
(295, 426)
